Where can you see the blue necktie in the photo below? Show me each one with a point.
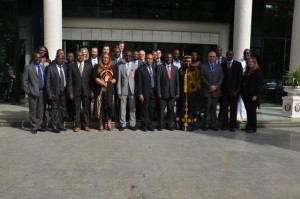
(212, 67)
(41, 82)
(151, 77)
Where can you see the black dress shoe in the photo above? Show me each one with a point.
(133, 128)
(224, 128)
(244, 129)
(121, 128)
(159, 128)
(250, 131)
(150, 128)
(213, 128)
(34, 131)
(205, 129)
(63, 129)
(144, 129)
(55, 130)
(233, 129)
(170, 128)
(42, 130)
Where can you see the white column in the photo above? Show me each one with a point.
(295, 42)
(53, 26)
(242, 27)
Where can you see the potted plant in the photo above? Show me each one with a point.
(291, 103)
(292, 82)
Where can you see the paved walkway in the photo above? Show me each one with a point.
(150, 165)
(268, 115)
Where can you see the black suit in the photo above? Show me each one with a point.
(251, 86)
(81, 87)
(56, 95)
(231, 85)
(147, 108)
(89, 61)
(167, 89)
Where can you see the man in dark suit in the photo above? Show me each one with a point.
(232, 73)
(33, 85)
(55, 89)
(94, 58)
(219, 57)
(219, 60)
(135, 58)
(211, 79)
(146, 92)
(167, 91)
(80, 90)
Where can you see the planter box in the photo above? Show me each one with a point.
(291, 103)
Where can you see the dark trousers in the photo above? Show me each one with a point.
(228, 100)
(169, 103)
(211, 111)
(86, 103)
(148, 108)
(58, 107)
(36, 110)
(251, 112)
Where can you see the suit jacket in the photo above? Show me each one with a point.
(126, 81)
(30, 80)
(223, 59)
(167, 87)
(232, 79)
(116, 64)
(138, 62)
(76, 83)
(252, 84)
(208, 78)
(89, 61)
(143, 83)
(52, 79)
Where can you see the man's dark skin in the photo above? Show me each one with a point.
(229, 56)
(176, 55)
(128, 58)
(135, 55)
(149, 61)
(168, 60)
(80, 58)
(219, 52)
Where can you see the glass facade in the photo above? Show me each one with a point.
(270, 36)
(9, 71)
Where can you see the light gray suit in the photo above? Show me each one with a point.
(209, 78)
(30, 84)
(126, 88)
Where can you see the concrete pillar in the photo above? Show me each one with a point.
(295, 42)
(242, 27)
(53, 26)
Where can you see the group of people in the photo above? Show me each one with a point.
(127, 85)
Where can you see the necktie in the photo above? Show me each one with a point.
(228, 66)
(212, 67)
(41, 82)
(151, 77)
(220, 60)
(80, 68)
(62, 79)
(169, 72)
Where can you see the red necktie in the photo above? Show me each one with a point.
(169, 72)
(228, 66)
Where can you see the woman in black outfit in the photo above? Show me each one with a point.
(251, 89)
